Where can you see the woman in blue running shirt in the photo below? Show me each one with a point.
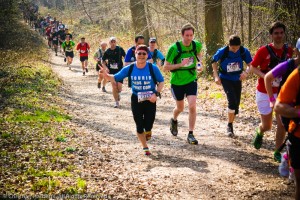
(144, 92)
(230, 74)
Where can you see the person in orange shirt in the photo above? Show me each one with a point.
(288, 105)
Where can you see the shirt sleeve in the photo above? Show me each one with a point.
(280, 69)
(259, 58)
(172, 52)
(128, 55)
(158, 75)
(123, 73)
(290, 89)
(160, 55)
(248, 58)
(77, 47)
(217, 55)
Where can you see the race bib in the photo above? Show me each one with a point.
(114, 66)
(233, 67)
(82, 51)
(55, 38)
(276, 82)
(189, 63)
(143, 96)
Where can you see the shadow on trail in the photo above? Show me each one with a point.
(178, 162)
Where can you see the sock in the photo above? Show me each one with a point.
(175, 121)
(229, 124)
(190, 132)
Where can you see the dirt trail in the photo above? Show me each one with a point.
(113, 163)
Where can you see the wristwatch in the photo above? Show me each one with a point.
(158, 94)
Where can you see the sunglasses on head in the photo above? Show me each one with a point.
(141, 53)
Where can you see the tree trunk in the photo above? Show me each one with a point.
(139, 20)
(214, 38)
(250, 24)
(242, 21)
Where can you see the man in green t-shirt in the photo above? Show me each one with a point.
(68, 46)
(182, 59)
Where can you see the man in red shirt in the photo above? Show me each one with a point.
(83, 49)
(264, 60)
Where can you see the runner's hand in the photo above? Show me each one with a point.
(218, 80)
(153, 98)
(243, 76)
(184, 61)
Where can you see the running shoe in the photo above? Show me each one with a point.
(116, 105)
(230, 130)
(103, 89)
(65, 59)
(257, 142)
(147, 152)
(99, 85)
(191, 139)
(86, 69)
(277, 156)
(173, 127)
(83, 73)
(148, 135)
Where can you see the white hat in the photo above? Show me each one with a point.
(112, 38)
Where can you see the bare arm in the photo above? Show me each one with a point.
(268, 84)
(215, 73)
(257, 71)
(286, 110)
(159, 88)
(168, 66)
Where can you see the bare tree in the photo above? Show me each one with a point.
(214, 38)
(139, 20)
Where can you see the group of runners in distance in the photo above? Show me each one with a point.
(272, 63)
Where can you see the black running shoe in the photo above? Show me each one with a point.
(83, 73)
(99, 85)
(86, 69)
(173, 127)
(230, 130)
(191, 139)
(65, 59)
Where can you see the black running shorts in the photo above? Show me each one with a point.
(70, 54)
(295, 151)
(83, 58)
(180, 91)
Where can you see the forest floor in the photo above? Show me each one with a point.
(111, 160)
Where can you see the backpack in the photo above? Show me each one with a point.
(154, 56)
(274, 60)
(225, 56)
(133, 53)
(179, 52)
(151, 73)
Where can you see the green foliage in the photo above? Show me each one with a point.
(81, 185)
(61, 138)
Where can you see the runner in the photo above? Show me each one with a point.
(54, 36)
(266, 58)
(98, 57)
(83, 49)
(281, 73)
(181, 60)
(67, 47)
(130, 54)
(112, 63)
(231, 75)
(143, 101)
(155, 53)
(287, 105)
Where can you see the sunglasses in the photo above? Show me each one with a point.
(141, 53)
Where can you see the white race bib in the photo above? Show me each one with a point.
(276, 82)
(233, 67)
(189, 63)
(82, 51)
(114, 66)
(143, 96)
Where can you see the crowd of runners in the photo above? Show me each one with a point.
(142, 63)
